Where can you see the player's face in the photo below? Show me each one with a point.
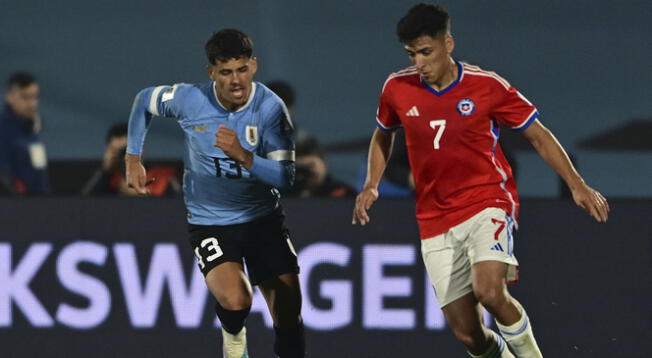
(23, 101)
(233, 80)
(431, 56)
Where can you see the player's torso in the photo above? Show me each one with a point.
(218, 190)
(451, 139)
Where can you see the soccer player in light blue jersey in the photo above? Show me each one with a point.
(239, 149)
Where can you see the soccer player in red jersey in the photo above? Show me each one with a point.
(467, 204)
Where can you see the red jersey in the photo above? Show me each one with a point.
(452, 142)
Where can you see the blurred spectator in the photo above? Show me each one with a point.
(285, 91)
(312, 178)
(397, 181)
(109, 179)
(23, 162)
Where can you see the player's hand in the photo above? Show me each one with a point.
(136, 174)
(227, 140)
(363, 202)
(592, 201)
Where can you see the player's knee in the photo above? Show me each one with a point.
(491, 295)
(235, 302)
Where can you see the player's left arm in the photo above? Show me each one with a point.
(553, 153)
(277, 167)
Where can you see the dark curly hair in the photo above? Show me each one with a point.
(423, 19)
(228, 44)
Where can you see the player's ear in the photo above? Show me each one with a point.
(211, 70)
(450, 44)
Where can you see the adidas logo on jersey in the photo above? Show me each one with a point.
(413, 112)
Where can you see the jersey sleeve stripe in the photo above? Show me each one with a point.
(384, 127)
(494, 76)
(280, 155)
(153, 100)
(528, 121)
(406, 72)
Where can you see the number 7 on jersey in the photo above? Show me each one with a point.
(438, 125)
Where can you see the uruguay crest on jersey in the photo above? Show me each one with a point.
(251, 135)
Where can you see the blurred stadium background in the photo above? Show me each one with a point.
(585, 64)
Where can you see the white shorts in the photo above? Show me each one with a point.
(487, 236)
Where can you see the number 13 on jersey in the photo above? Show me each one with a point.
(439, 126)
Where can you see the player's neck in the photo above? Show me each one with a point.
(449, 76)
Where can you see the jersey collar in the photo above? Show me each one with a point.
(460, 74)
(251, 97)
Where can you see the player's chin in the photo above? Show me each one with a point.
(239, 101)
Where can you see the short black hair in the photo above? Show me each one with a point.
(20, 79)
(228, 44)
(120, 129)
(423, 19)
(283, 90)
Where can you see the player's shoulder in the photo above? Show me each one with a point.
(178, 91)
(408, 75)
(267, 96)
(195, 90)
(487, 77)
(267, 100)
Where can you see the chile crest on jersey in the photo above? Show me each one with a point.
(465, 107)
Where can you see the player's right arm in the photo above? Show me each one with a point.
(149, 102)
(380, 149)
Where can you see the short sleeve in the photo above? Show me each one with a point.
(514, 110)
(168, 101)
(386, 117)
(277, 141)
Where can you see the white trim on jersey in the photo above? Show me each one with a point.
(405, 72)
(280, 155)
(501, 172)
(153, 100)
(384, 127)
(474, 70)
(527, 119)
(251, 97)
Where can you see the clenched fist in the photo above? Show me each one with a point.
(227, 140)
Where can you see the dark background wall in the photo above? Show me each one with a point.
(115, 278)
(584, 63)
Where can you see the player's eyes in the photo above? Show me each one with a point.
(243, 69)
(225, 73)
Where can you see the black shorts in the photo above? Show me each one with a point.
(263, 243)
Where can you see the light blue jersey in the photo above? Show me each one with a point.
(217, 190)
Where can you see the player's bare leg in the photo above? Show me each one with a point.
(464, 316)
(490, 289)
(230, 287)
(283, 296)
